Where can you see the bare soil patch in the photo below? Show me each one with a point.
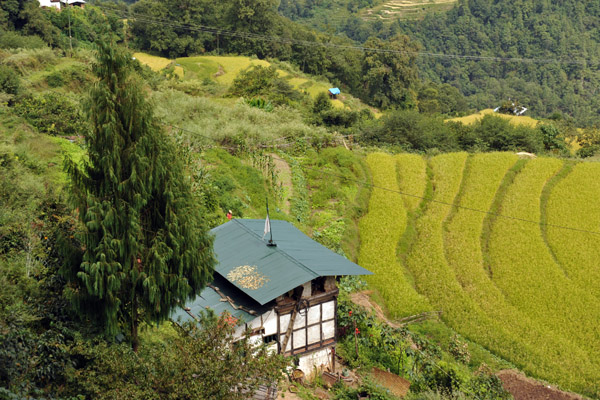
(394, 383)
(524, 388)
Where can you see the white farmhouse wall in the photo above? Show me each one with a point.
(314, 315)
(299, 338)
(312, 325)
(270, 323)
(314, 334)
(300, 320)
(48, 3)
(315, 361)
(328, 310)
(328, 330)
(284, 321)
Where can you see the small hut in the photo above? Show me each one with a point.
(50, 3)
(333, 93)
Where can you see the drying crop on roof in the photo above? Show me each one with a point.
(247, 276)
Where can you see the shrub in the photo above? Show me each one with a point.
(321, 103)
(9, 80)
(255, 81)
(460, 350)
(260, 103)
(52, 113)
(75, 77)
(12, 40)
(28, 60)
(55, 79)
(264, 81)
(199, 362)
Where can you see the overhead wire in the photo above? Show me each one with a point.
(273, 38)
(248, 35)
(279, 39)
(429, 199)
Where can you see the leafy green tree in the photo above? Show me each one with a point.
(145, 246)
(198, 361)
(250, 16)
(390, 72)
(321, 103)
(264, 81)
(168, 39)
(9, 80)
(254, 81)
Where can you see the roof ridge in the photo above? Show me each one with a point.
(276, 248)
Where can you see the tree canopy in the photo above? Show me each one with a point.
(145, 246)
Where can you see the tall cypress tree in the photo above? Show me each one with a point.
(145, 245)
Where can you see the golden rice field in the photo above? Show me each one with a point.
(157, 63)
(380, 231)
(514, 119)
(528, 292)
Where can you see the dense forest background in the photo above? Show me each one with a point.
(544, 54)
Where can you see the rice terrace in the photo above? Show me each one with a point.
(458, 233)
(406, 9)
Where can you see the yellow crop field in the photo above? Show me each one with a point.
(224, 69)
(464, 254)
(412, 178)
(157, 63)
(575, 205)
(517, 120)
(233, 65)
(380, 232)
(525, 271)
(527, 294)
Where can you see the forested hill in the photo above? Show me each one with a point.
(559, 40)
(564, 34)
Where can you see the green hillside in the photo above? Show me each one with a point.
(522, 289)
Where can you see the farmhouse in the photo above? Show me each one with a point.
(50, 3)
(57, 3)
(284, 293)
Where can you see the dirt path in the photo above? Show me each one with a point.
(284, 174)
(363, 299)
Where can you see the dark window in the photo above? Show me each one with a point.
(318, 285)
(270, 338)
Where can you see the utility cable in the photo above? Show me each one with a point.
(429, 199)
(279, 39)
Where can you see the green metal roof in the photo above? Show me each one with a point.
(263, 272)
(209, 298)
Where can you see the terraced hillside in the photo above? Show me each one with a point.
(406, 9)
(506, 248)
(224, 69)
